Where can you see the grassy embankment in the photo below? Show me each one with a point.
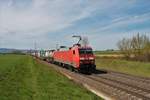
(22, 78)
(121, 65)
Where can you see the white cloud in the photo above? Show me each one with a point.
(124, 22)
(24, 21)
(41, 16)
(34, 19)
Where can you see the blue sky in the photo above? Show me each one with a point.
(51, 22)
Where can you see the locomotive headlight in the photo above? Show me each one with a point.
(82, 58)
(81, 62)
(91, 58)
(92, 61)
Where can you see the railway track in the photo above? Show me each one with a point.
(133, 90)
(134, 83)
(114, 85)
(131, 77)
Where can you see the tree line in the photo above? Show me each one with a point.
(135, 48)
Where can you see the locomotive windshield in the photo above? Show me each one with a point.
(85, 51)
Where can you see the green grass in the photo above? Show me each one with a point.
(107, 52)
(129, 67)
(22, 78)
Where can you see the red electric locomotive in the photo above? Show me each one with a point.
(79, 58)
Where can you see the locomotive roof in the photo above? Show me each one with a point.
(87, 47)
(82, 47)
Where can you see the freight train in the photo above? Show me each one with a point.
(77, 58)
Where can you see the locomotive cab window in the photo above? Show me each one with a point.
(85, 51)
(74, 52)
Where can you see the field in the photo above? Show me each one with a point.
(23, 78)
(107, 52)
(120, 65)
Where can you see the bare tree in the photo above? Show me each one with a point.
(138, 45)
(125, 46)
(85, 41)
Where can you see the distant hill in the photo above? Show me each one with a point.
(9, 50)
(6, 50)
